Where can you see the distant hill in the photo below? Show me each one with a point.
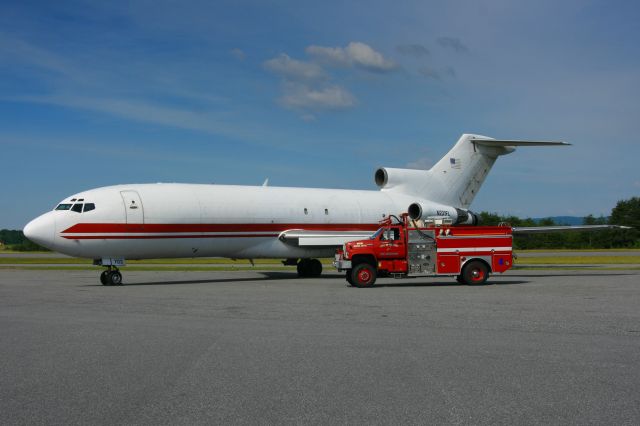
(563, 220)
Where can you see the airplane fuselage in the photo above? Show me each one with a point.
(190, 220)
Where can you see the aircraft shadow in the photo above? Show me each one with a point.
(273, 276)
(266, 276)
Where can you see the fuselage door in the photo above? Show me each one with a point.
(133, 206)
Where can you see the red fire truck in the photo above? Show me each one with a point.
(403, 249)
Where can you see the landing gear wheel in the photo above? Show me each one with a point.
(315, 268)
(104, 278)
(475, 273)
(303, 268)
(363, 275)
(309, 268)
(115, 278)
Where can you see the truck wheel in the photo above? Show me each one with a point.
(348, 276)
(475, 273)
(363, 275)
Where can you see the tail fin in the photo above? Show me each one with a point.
(457, 177)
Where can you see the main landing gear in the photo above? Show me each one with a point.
(309, 268)
(111, 276)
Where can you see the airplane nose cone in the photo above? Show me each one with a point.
(41, 230)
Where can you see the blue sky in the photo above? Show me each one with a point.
(317, 94)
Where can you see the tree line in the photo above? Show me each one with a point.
(626, 212)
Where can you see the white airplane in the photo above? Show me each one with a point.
(143, 221)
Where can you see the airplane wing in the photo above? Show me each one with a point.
(546, 229)
(301, 237)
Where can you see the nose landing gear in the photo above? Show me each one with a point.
(111, 276)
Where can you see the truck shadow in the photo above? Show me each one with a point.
(452, 283)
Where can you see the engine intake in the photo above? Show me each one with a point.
(407, 179)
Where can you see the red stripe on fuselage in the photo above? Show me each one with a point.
(156, 228)
(155, 237)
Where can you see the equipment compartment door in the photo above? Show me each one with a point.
(133, 206)
(448, 264)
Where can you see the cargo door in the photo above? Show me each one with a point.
(133, 206)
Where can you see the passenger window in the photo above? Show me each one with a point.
(77, 208)
(89, 206)
(63, 207)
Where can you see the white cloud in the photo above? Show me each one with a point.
(355, 54)
(301, 96)
(147, 112)
(293, 69)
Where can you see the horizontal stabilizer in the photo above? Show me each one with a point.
(508, 142)
(301, 237)
(548, 229)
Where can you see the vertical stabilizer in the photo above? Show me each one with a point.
(456, 179)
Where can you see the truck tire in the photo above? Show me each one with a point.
(363, 275)
(348, 277)
(475, 273)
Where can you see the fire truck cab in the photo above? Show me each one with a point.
(436, 248)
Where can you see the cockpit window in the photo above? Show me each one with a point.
(63, 207)
(89, 206)
(77, 208)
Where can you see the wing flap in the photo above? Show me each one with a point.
(305, 238)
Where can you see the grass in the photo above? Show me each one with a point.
(189, 261)
(579, 260)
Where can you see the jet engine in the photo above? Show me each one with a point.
(458, 216)
(387, 178)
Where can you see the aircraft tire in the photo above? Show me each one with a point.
(315, 268)
(363, 275)
(104, 278)
(303, 268)
(115, 278)
(475, 273)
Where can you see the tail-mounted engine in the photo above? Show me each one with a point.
(387, 178)
(458, 216)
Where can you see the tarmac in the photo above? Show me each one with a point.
(246, 347)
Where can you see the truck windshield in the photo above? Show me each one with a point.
(377, 234)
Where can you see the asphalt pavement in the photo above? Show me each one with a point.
(534, 347)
